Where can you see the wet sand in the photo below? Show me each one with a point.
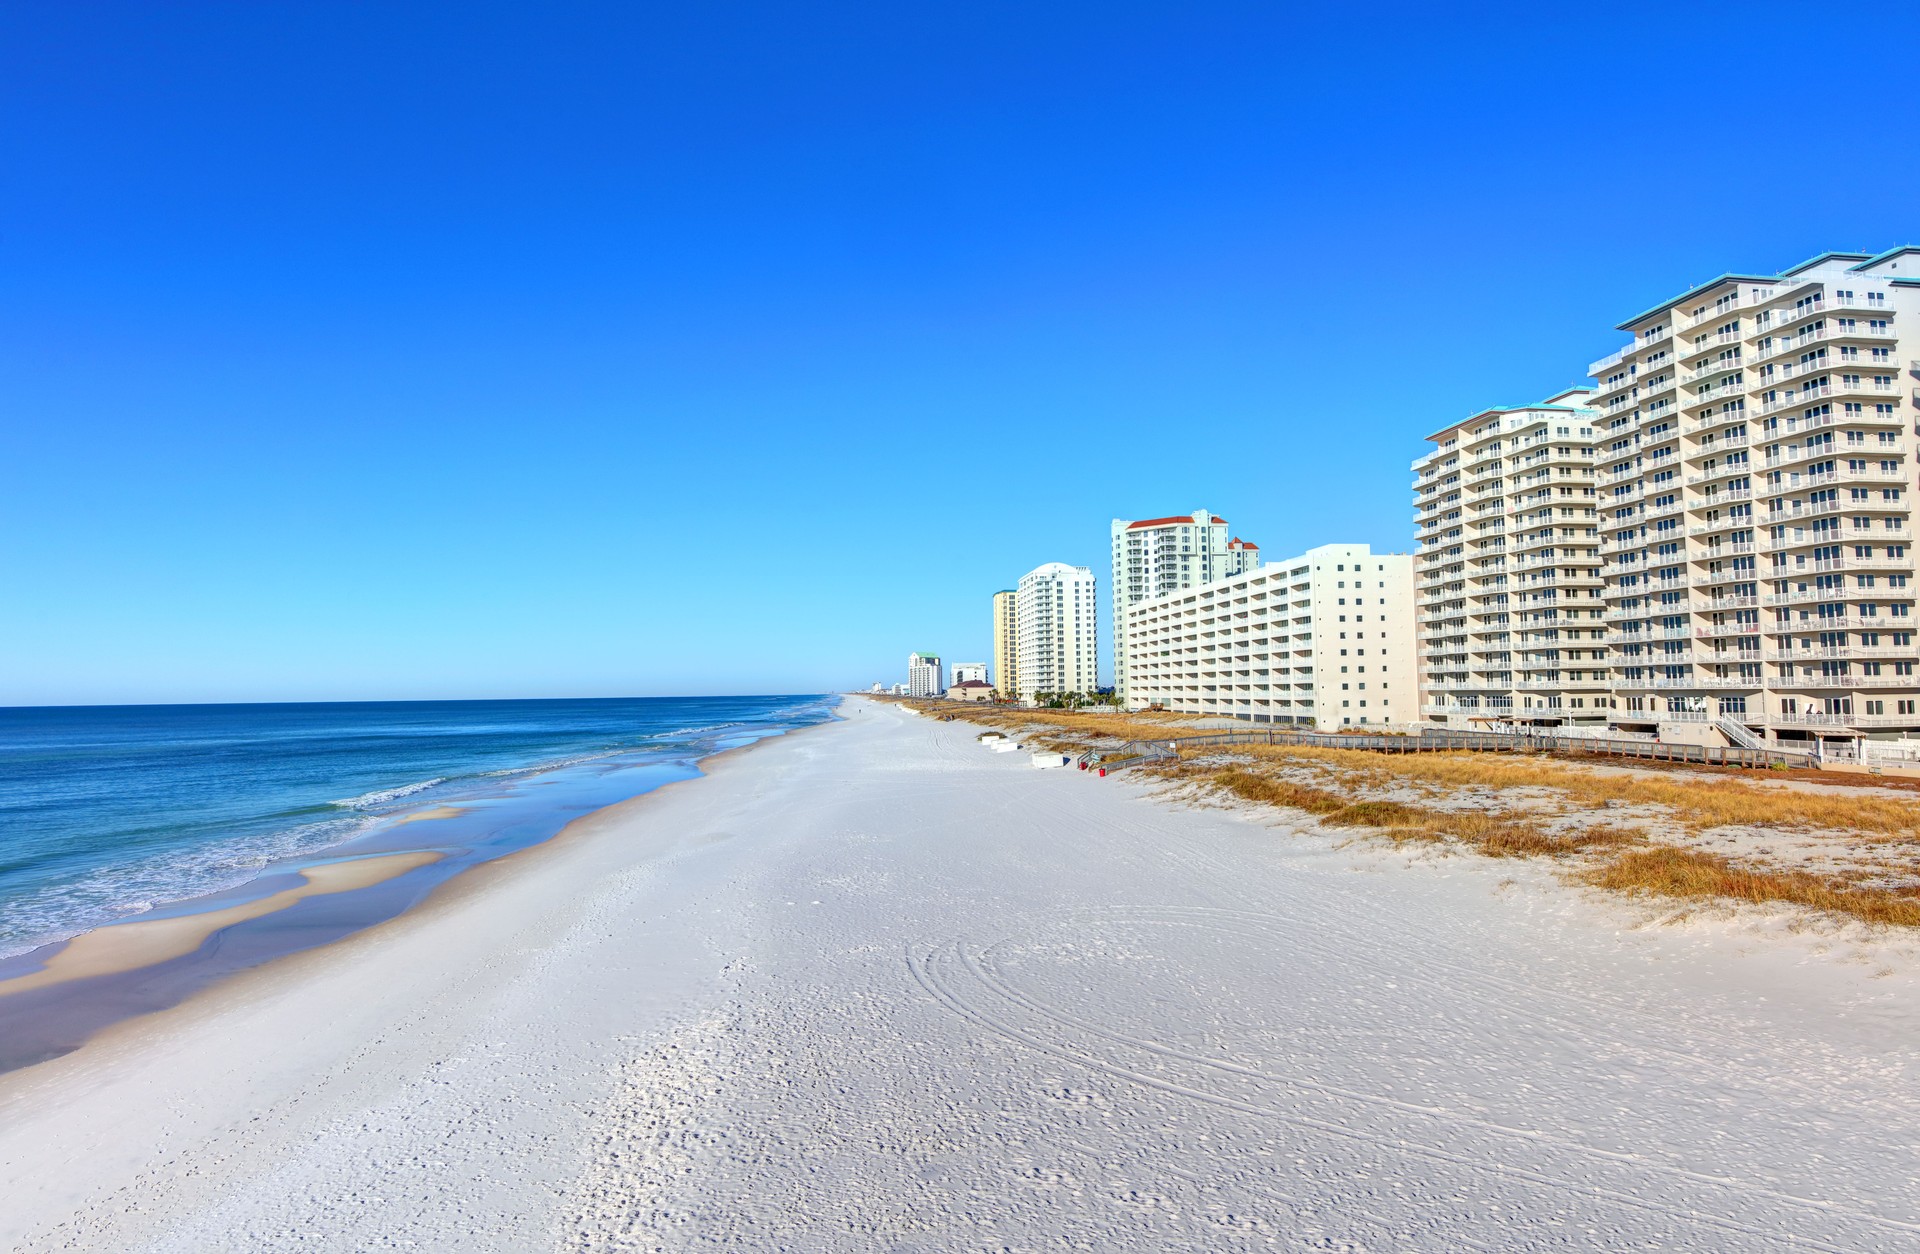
(141, 943)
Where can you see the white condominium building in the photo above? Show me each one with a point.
(1756, 455)
(1747, 467)
(964, 671)
(1508, 568)
(1054, 618)
(923, 675)
(1006, 644)
(1155, 556)
(1325, 639)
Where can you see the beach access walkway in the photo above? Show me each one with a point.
(871, 987)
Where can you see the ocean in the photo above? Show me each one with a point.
(111, 813)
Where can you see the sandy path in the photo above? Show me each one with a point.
(873, 988)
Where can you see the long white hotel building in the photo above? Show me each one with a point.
(1754, 474)
(1325, 639)
(1053, 620)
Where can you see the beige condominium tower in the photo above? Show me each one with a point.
(1746, 463)
(1006, 644)
(1511, 621)
(1756, 457)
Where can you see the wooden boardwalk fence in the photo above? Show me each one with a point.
(1134, 752)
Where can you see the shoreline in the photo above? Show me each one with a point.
(882, 986)
(57, 1018)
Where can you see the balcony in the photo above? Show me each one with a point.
(1869, 683)
(1805, 627)
(1719, 472)
(1714, 444)
(1842, 652)
(1816, 510)
(1600, 368)
(1806, 595)
(1707, 370)
(1815, 720)
(1804, 396)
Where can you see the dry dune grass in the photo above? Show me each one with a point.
(1693, 800)
(1696, 802)
(1498, 835)
(1603, 855)
(1620, 859)
(1062, 728)
(1664, 871)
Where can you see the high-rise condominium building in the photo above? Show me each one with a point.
(1754, 476)
(1054, 616)
(1155, 556)
(1512, 625)
(1006, 644)
(923, 675)
(1324, 639)
(962, 672)
(1756, 454)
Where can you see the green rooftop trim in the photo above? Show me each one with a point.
(1692, 292)
(1891, 252)
(1864, 259)
(1811, 262)
(1499, 410)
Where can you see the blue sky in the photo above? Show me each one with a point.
(392, 351)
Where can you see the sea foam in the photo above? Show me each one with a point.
(380, 797)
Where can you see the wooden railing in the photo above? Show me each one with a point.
(1135, 752)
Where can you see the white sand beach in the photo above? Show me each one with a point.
(872, 987)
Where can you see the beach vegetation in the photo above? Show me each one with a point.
(1666, 871)
(1694, 799)
(1618, 828)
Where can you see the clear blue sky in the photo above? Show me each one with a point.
(403, 350)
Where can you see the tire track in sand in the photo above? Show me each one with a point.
(950, 972)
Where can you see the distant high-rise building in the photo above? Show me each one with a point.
(1054, 616)
(1006, 644)
(1155, 556)
(1324, 639)
(962, 672)
(923, 675)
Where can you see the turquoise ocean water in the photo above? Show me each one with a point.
(112, 813)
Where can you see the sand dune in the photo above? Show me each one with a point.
(872, 987)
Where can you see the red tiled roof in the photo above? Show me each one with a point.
(1162, 522)
(972, 683)
(1238, 543)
